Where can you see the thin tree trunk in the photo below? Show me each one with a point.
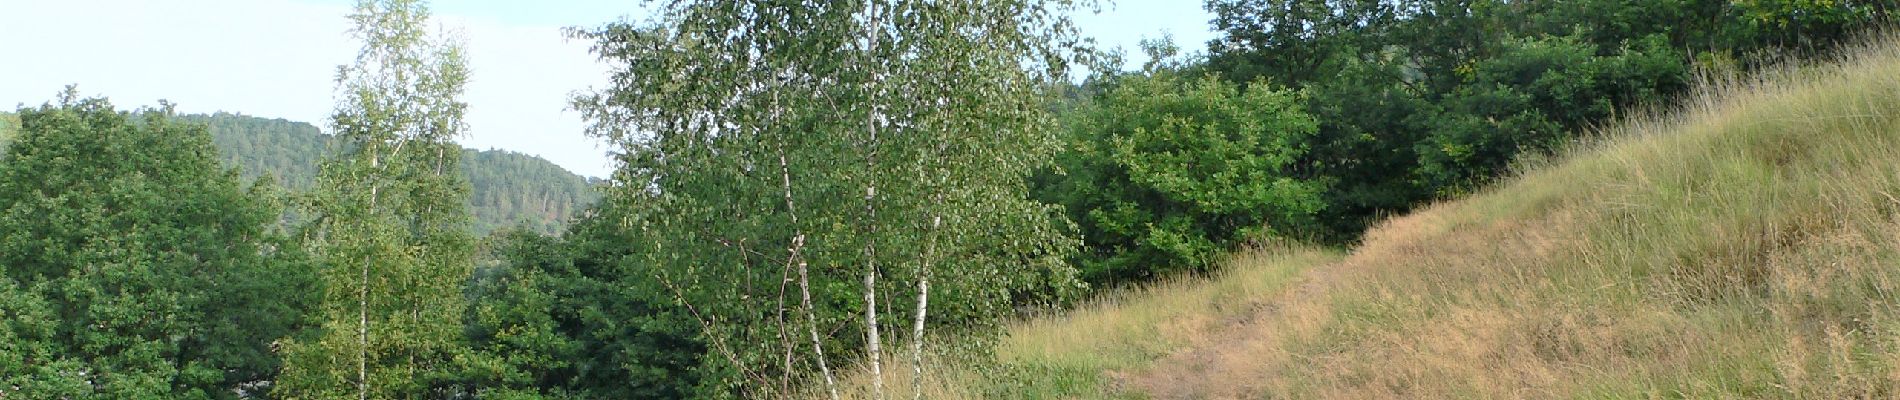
(811, 324)
(873, 345)
(873, 338)
(784, 336)
(923, 306)
(784, 272)
(923, 279)
(362, 294)
(870, 322)
(362, 330)
(804, 275)
(362, 290)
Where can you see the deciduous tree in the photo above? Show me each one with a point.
(1168, 171)
(135, 266)
(390, 219)
(797, 166)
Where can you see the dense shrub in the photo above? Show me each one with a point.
(1167, 172)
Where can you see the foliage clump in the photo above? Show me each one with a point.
(1168, 171)
(135, 265)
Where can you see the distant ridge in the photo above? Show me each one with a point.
(506, 188)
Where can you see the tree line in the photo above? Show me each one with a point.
(506, 189)
(802, 189)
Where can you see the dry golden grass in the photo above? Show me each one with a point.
(1066, 355)
(1747, 246)
(944, 379)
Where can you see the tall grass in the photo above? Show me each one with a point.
(1746, 245)
(1066, 355)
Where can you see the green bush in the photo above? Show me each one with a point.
(1167, 172)
(1533, 96)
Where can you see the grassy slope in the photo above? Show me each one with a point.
(1747, 246)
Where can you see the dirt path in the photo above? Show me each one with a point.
(1208, 368)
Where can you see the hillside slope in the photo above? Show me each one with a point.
(506, 188)
(1745, 246)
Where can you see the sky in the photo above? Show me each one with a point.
(277, 58)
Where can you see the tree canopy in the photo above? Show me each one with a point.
(136, 266)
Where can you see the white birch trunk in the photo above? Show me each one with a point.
(362, 295)
(873, 340)
(874, 347)
(804, 276)
(923, 306)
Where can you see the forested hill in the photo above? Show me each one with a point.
(507, 188)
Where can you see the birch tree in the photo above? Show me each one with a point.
(795, 163)
(391, 225)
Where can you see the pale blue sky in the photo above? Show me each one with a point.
(275, 58)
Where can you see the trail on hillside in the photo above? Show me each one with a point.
(1204, 369)
(1185, 374)
(1230, 359)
